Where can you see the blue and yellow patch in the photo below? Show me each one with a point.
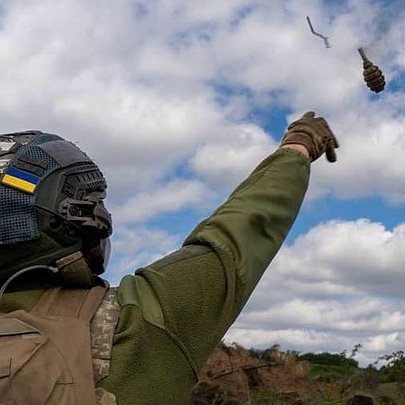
(20, 180)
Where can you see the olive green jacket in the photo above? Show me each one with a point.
(176, 310)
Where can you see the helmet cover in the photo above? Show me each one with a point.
(51, 202)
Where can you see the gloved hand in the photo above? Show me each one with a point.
(313, 133)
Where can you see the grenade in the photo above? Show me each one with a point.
(373, 76)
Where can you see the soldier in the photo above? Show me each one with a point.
(149, 337)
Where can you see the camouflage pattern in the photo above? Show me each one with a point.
(102, 332)
(104, 397)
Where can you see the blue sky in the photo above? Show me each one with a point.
(179, 100)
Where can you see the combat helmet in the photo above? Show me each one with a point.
(51, 209)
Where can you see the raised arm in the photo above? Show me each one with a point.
(252, 224)
(196, 293)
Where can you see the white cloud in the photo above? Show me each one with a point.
(361, 254)
(90, 73)
(370, 158)
(340, 284)
(171, 197)
(138, 246)
(223, 164)
(135, 84)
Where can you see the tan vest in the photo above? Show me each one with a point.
(49, 356)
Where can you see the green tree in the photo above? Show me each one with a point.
(330, 359)
(394, 368)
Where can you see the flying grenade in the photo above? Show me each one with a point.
(373, 76)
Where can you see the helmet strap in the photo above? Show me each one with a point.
(75, 271)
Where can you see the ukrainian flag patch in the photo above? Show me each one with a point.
(20, 180)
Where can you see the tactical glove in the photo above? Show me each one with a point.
(313, 133)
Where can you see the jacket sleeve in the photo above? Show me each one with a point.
(196, 293)
(253, 223)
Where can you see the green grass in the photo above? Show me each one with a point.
(329, 373)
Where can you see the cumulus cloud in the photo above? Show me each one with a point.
(171, 197)
(225, 164)
(144, 86)
(338, 285)
(370, 157)
(99, 85)
(138, 246)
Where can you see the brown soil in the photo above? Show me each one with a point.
(232, 376)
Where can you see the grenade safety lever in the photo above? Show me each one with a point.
(372, 74)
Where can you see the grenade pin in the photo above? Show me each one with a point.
(373, 76)
(325, 39)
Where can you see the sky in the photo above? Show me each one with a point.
(179, 100)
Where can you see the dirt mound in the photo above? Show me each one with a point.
(234, 376)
